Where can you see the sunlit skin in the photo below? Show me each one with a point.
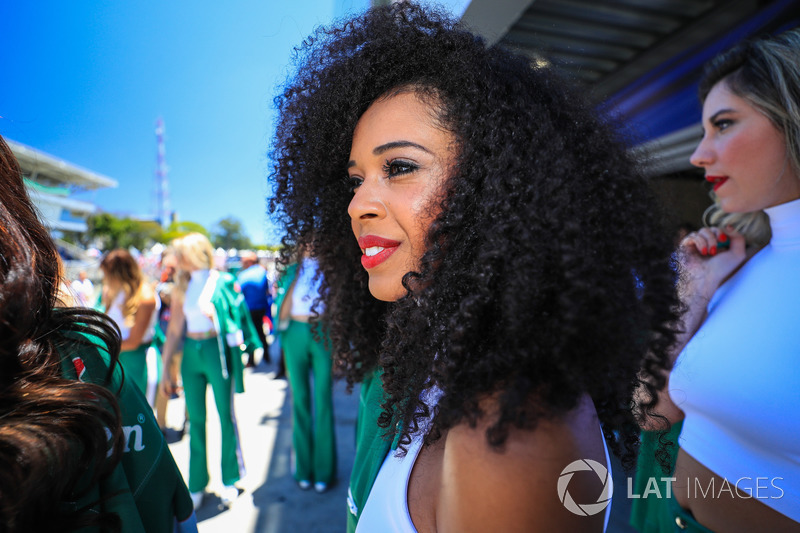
(744, 155)
(144, 312)
(399, 160)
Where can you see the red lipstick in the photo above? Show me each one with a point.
(370, 241)
(717, 181)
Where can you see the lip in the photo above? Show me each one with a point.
(717, 181)
(368, 241)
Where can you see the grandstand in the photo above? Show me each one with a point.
(51, 184)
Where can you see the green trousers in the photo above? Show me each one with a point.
(134, 363)
(314, 450)
(200, 367)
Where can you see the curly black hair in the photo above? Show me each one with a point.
(547, 273)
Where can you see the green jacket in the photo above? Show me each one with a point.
(284, 282)
(146, 489)
(236, 333)
(371, 446)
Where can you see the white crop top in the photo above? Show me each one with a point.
(738, 378)
(197, 306)
(114, 312)
(305, 289)
(386, 509)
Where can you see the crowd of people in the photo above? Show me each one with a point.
(471, 242)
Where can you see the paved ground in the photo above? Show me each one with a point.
(271, 501)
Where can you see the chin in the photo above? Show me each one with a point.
(385, 292)
(730, 205)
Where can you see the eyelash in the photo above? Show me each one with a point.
(723, 124)
(398, 167)
(390, 168)
(353, 182)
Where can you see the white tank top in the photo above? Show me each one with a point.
(386, 509)
(197, 302)
(306, 290)
(114, 312)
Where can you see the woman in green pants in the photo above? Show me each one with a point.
(304, 350)
(209, 310)
(132, 303)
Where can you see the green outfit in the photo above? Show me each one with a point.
(200, 368)
(314, 448)
(146, 489)
(653, 514)
(217, 362)
(134, 362)
(372, 446)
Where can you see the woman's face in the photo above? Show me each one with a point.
(744, 155)
(184, 264)
(110, 281)
(398, 162)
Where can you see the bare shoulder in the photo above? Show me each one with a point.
(147, 293)
(516, 488)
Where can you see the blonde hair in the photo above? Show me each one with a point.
(754, 226)
(120, 266)
(195, 249)
(766, 73)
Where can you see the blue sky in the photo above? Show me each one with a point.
(85, 81)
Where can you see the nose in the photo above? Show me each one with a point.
(702, 155)
(366, 203)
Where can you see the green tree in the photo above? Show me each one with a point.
(113, 232)
(178, 229)
(229, 233)
(78, 238)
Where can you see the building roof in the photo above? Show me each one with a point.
(37, 163)
(606, 44)
(639, 59)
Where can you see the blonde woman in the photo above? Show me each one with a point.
(208, 309)
(132, 303)
(735, 378)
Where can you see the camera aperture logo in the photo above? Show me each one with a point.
(585, 509)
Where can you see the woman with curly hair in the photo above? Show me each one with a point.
(79, 448)
(132, 304)
(493, 273)
(737, 369)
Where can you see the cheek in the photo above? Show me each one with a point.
(735, 149)
(355, 226)
(423, 214)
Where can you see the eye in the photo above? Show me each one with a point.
(353, 182)
(397, 167)
(723, 124)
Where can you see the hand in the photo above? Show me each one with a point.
(169, 382)
(709, 256)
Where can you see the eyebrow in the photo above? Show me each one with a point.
(378, 150)
(713, 117)
(398, 144)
